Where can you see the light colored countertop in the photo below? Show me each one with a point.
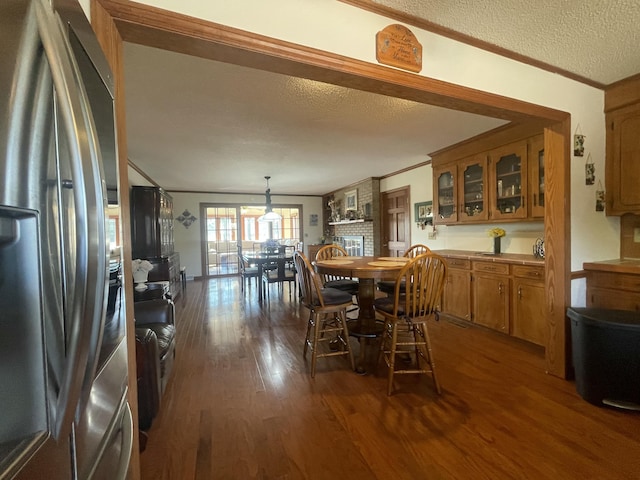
(620, 265)
(512, 258)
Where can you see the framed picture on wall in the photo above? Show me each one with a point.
(313, 220)
(423, 212)
(351, 201)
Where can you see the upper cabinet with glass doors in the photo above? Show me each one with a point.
(446, 181)
(505, 183)
(473, 189)
(508, 179)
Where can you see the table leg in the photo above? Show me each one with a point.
(365, 327)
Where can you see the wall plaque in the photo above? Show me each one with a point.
(397, 46)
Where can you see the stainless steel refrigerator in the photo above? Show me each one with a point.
(63, 355)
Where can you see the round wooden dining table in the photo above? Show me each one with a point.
(367, 270)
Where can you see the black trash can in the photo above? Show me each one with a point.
(606, 356)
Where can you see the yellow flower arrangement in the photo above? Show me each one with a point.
(496, 232)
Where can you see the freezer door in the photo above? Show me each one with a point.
(53, 267)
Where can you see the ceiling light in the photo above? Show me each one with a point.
(270, 215)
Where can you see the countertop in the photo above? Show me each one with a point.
(620, 265)
(512, 258)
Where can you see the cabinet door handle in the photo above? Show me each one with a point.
(500, 288)
(519, 292)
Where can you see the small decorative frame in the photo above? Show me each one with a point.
(423, 213)
(186, 219)
(313, 220)
(351, 201)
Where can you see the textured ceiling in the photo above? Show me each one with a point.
(595, 39)
(200, 125)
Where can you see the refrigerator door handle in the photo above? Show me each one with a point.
(95, 189)
(72, 113)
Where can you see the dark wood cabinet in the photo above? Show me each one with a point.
(151, 222)
(152, 234)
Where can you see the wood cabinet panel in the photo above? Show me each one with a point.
(620, 291)
(607, 298)
(535, 162)
(491, 301)
(508, 181)
(528, 316)
(445, 194)
(151, 222)
(623, 161)
(491, 267)
(457, 294)
(472, 191)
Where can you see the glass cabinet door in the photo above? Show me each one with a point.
(536, 176)
(509, 181)
(446, 195)
(473, 178)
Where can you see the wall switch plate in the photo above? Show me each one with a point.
(432, 235)
(636, 235)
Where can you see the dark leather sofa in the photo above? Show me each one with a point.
(155, 354)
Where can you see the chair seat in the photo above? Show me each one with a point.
(273, 276)
(333, 296)
(250, 271)
(385, 304)
(387, 286)
(344, 284)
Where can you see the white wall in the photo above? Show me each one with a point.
(187, 240)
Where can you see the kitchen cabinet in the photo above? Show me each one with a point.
(152, 234)
(623, 160)
(504, 293)
(491, 287)
(457, 290)
(461, 191)
(528, 301)
(151, 222)
(445, 194)
(535, 162)
(607, 288)
(472, 173)
(505, 183)
(508, 181)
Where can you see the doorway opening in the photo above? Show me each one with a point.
(230, 230)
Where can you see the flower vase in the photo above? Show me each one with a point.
(496, 245)
(140, 278)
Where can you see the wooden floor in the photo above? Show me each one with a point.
(241, 405)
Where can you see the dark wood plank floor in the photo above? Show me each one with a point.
(241, 405)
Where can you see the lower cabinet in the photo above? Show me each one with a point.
(612, 290)
(506, 297)
(528, 301)
(491, 287)
(457, 292)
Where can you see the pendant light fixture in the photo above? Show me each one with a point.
(269, 215)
